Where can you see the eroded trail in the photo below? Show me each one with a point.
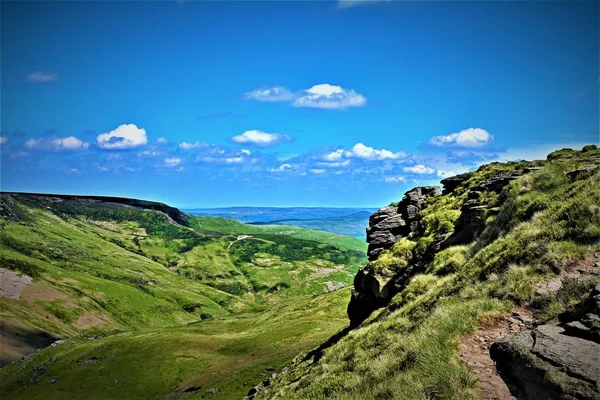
(474, 350)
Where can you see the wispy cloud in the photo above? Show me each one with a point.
(172, 162)
(259, 138)
(329, 97)
(3, 140)
(42, 77)
(125, 137)
(70, 143)
(420, 169)
(273, 94)
(394, 179)
(193, 145)
(281, 168)
(471, 138)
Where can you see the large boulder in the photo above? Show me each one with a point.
(555, 362)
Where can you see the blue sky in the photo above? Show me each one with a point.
(289, 103)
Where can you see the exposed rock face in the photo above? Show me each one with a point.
(386, 227)
(574, 174)
(554, 362)
(452, 182)
(389, 224)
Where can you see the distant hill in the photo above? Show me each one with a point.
(343, 221)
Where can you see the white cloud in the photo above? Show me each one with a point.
(74, 171)
(260, 138)
(126, 136)
(3, 140)
(246, 152)
(162, 140)
(353, 3)
(419, 169)
(316, 171)
(394, 179)
(472, 137)
(276, 93)
(359, 150)
(334, 164)
(172, 162)
(42, 77)
(234, 160)
(102, 169)
(334, 156)
(70, 143)
(194, 145)
(281, 168)
(221, 160)
(329, 97)
(445, 174)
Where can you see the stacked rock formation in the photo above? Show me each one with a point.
(389, 224)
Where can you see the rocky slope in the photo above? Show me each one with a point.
(443, 261)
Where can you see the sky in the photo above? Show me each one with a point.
(287, 103)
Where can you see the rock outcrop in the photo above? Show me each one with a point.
(386, 227)
(389, 224)
(552, 361)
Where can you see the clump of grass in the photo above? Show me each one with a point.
(393, 260)
(450, 260)
(517, 284)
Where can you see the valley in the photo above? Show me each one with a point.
(125, 299)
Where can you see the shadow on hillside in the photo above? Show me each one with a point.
(16, 342)
(318, 352)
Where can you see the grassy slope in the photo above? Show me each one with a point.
(163, 363)
(536, 227)
(105, 268)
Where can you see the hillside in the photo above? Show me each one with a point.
(485, 288)
(78, 266)
(509, 248)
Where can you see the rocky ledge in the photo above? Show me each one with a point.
(555, 361)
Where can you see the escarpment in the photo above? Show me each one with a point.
(454, 263)
(403, 241)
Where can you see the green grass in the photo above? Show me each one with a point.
(534, 229)
(221, 353)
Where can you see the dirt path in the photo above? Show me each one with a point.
(474, 350)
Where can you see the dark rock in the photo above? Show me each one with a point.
(52, 380)
(473, 195)
(270, 369)
(191, 389)
(52, 360)
(394, 223)
(381, 214)
(252, 392)
(39, 367)
(554, 362)
(574, 174)
(452, 182)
